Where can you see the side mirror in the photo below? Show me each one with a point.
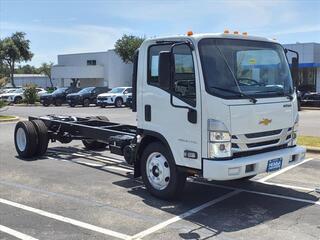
(295, 69)
(165, 58)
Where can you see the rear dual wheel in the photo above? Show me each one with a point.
(31, 138)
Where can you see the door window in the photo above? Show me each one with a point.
(184, 86)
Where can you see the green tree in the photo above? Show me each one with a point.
(126, 46)
(26, 69)
(45, 69)
(15, 49)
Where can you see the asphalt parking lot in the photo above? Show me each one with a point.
(72, 193)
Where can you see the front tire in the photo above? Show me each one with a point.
(118, 102)
(17, 100)
(159, 172)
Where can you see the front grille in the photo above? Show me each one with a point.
(260, 140)
(259, 144)
(102, 98)
(250, 153)
(263, 134)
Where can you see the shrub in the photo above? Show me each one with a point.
(2, 103)
(30, 94)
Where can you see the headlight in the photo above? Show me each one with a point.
(219, 140)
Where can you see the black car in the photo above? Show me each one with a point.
(311, 99)
(57, 97)
(86, 96)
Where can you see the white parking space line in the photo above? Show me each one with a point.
(184, 215)
(290, 186)
(15, 233)
(272, 175)
(260, 193)
(66, 220)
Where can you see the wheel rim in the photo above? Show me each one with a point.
(119, 103)
(158, 171)
(21, 139)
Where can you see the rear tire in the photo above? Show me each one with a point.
(25, 139)
(118, 102)
(159, 172)
(45, 104)
(43, 137)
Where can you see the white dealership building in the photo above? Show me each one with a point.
(92, 69)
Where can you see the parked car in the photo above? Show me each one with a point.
(4, 91)
(117, 96)
(17, 94)
(311, 99)
(13, 96)
(57, 97)
(41, 91)
(86, 96)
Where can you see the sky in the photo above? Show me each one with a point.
(72, 26)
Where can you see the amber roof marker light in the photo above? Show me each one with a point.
(226, 31)
(189, 33)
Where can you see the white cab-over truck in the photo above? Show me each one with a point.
(216, 106)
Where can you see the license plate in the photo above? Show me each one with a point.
(41, 101)
(274, 164)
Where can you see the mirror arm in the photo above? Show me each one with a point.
(286, 50)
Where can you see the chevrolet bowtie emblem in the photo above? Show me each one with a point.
(265, 121)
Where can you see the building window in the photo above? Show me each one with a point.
(91, 62)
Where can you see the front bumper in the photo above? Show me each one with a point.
(105, 102)
(247, 166)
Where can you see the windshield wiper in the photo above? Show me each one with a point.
(288, 95)
(252, 99)
(241, 94)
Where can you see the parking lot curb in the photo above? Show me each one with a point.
(312, 149)
(13, 119)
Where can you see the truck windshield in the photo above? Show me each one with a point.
(233, 68)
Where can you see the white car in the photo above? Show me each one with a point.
(18, 94)
(117, 96)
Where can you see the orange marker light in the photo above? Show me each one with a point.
(236, 32)
(226, 31)
(189, 33)
(245, 33)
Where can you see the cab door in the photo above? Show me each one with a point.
(177, 120)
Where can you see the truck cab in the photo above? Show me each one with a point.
(219, 106)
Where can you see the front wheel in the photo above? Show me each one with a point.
(118, 102)
(159, 172)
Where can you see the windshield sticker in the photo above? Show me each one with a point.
(252, 61)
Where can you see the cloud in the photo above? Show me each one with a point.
(49, 41)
